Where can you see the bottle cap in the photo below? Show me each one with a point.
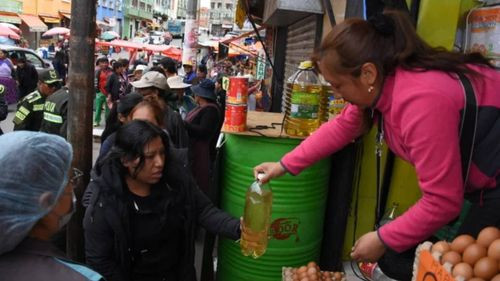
(260, 176)
(306, 64)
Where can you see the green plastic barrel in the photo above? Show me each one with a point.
(297, 212)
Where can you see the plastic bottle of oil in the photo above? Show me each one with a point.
(305, 103)
(256, 219)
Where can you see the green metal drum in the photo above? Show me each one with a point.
(297, 212)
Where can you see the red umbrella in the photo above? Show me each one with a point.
(7, 32)
(11, 26)
(56, 31)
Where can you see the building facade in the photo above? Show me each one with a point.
(52, 12)
(110, 15)
(222, 14)
(181, 9)
(160, 13)
(136, 16)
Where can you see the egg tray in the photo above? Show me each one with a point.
(284, 271)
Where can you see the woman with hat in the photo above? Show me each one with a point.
(36, 201)
(203, 125)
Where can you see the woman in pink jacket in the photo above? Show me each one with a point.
(384, 70)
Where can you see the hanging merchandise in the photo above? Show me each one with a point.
(304, 101)
(483, 32)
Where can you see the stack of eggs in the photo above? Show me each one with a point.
(470, 259)
(311, 272)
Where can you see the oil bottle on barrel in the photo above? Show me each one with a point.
(305, 103)
(256, 218)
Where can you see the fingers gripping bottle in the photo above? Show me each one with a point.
(256, 219)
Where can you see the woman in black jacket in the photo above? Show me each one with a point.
(203, 125)
(143, 208)
(115, 85)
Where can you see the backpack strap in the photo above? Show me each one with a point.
(468, 126)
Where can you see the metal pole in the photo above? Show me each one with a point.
(81, 89)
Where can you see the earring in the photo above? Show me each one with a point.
(370, 89)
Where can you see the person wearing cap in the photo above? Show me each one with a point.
(55, 109)
(101, 77)
(27, 77)
(189, 74)
(29, 114)
(185, 103)
(34, 207)
(203, 125)
(155, 83)
(138, 71)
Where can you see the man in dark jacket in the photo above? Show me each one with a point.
(29, 114)
(115, 85)
(3, 106)
(27, 77)
(111, 209)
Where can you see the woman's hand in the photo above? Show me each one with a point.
(368, 248)
(270, 169)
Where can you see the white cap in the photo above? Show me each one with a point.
(175, 82)
(151, 79)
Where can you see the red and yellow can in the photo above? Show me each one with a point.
(235, 118)
(238, 90)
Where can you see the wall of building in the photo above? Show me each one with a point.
(46, 7)
(338, 7)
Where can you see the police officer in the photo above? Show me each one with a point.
(55, 111)
(29, 113)
(3, 105)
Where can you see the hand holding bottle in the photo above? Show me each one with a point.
(270, 169)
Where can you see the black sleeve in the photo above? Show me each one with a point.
(209, 123)
(176, 129)
(4, 110)
(213, 219)
(21, 123)
(64, 114)
(99, 243)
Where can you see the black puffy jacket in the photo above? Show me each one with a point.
(107, 226)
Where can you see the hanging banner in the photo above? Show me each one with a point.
(484, 33)
(261, 65)
(189, 51)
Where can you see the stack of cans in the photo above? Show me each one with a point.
(236, 105)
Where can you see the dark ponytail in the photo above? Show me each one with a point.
(389, 41)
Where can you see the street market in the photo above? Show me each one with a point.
(243, 140)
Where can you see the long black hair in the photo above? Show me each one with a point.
(124, 107)
(130, 141)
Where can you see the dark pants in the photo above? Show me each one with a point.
(484, 211)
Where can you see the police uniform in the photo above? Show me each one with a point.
(55, 113)
(29, 112)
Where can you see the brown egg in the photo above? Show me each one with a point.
(304, 279)
(486, 268)
(463, 269)
(476, 279)
(337, 275)
(301, 269)
(461, 242)
(441, 246)
(494, 250)
(451, 257)
(312, 271)
(311, 264)
(473, 253)
(496, 277)
(488, 235)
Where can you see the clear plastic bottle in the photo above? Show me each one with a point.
(390, 215)
(379, 275)
(305, 102)
(256, 219)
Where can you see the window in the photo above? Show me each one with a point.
(142, 6)
(212, 5)
(229, 6)
(219, 5)
(149, 9)
(36, 61)
(134, 3)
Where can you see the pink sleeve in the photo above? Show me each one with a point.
(430, 135)
(329, 138)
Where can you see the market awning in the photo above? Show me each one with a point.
(34, 23)
(10, 19)
(51, 19)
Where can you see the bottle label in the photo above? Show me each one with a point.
(304, 105)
